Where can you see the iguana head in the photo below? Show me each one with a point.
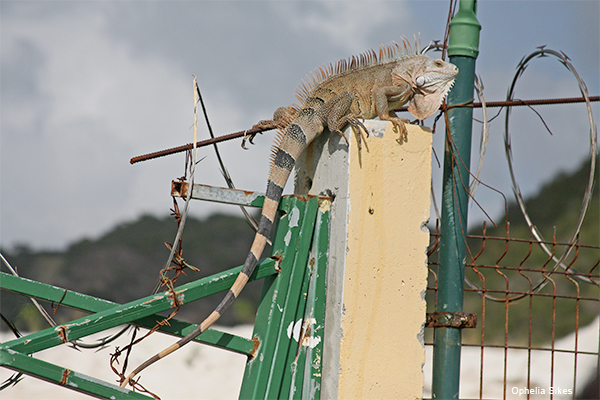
(429, 80)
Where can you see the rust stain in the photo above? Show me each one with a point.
(175, 188)
(256, 346)
(445, 319)
(304, 339)
(277, 258)
(184, 188)
(176, 300)
(65, 376)
(62, 333)
(179, 189)
(301, 197)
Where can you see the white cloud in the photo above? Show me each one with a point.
(65, 169)
(87, 85)
(346, 24)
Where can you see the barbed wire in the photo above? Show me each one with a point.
(175, 257)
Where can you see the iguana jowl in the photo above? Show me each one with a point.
(364, 87)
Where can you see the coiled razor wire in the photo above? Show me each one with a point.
(485, 136)
(523, 64)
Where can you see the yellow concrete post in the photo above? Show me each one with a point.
(386, 268)
(377, 269)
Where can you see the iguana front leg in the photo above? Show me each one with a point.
(385, 99)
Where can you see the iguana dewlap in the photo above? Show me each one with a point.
(364, 87)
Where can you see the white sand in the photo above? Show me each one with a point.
(516, 370)
(195, 372)
(203, 372)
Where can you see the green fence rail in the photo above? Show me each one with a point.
(285, 352)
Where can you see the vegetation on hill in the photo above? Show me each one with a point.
(124, 264)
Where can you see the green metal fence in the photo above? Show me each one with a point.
(284, 354)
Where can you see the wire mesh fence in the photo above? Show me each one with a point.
(537, 314)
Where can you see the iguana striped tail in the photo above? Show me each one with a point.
(289, 145)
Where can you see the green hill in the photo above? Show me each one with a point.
(558, 206)
(124, 264)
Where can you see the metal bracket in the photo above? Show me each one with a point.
(447, 319)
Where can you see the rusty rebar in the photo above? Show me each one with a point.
(189, 146)
(235, 135)
(537, 102)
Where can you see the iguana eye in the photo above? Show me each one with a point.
(420, 81)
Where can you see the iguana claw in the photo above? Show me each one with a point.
(249, 137)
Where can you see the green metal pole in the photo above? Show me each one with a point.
(462, 50)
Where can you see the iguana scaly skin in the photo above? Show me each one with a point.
(368, 86)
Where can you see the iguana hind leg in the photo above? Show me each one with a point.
(337, 114)
(281, 118)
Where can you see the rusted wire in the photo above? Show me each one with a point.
(175, 260)
(114, 358)
(590, 277)
(517, 347)
(559, 261)
(562, 290)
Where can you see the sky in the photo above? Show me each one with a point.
(85, 86)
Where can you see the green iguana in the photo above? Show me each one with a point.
(368, 86)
